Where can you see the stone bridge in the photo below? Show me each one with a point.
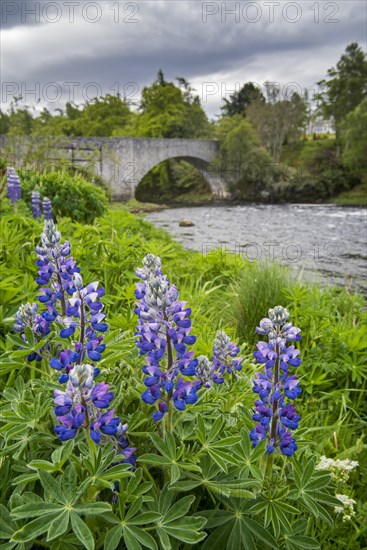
(123, 162)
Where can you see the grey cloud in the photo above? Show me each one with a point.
(172, 35)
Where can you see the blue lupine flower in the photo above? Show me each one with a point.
(274, 415)
(225, 358)
(70, 423)
(47, 208)
(27, 316)
(80, 404)
(163, 333)
(36, 204)
(13, 186)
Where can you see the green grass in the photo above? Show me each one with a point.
(354, 197)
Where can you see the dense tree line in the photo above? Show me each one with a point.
(257, 131)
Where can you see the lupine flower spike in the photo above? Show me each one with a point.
(225, 361)
(13, 183)
(276, 416)
(225, 358)
(47, 208)
(83, 404)
(36, 204)
(163, 333)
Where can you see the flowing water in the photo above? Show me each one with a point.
(323, 243)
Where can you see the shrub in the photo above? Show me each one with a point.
(71, 196)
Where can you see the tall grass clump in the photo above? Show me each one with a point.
(252, 292)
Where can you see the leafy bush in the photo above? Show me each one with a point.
(71, 196)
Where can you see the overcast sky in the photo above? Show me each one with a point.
(57, 51)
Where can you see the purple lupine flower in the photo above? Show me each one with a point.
(36, 204)
(27, 316)
(83, 400)
(163, 333)
(70, 423)
(276, 416)
(13, 186)
(47, 208)
(225, 358)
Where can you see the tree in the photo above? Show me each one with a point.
(346, 87)
(167, 111)
(241, 99)
(102, 116)
(242, 161)
(279, 122)
(354, 137)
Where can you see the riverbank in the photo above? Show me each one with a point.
(353, 197)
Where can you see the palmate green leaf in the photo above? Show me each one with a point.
(25, 478)
(82, 531)
(92, 508)
(144, 518)
(134, 509)
(162, 447)
(217, 540)
(187, 529)
(141, 536)
(42, 465)
(226, 442)
(301, 541)
(35, 528)
(187, 485)
(130, 541)
(171, 444)
(32, 511)
(164, 539)
(116, 472)
(179, 509)
(62, 453)
(325, 498)
(216, 518)
(165, 500)
(59, 526)
(70, 484)
(261, 533)
(215, 429)
(307, 473)
(324, 514)
(51, 487)
(219, 458)
(175, 473)
(157, 460)
(113, 537)
(7, 526)
(201, 430)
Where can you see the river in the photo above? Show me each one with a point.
(322, 243)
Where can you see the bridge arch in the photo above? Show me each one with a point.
(143, 154)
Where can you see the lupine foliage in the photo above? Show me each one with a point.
(197, 480)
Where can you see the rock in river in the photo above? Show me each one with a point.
(186, 223)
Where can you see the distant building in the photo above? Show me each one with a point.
(321, 126)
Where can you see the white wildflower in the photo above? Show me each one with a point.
(347, 507)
